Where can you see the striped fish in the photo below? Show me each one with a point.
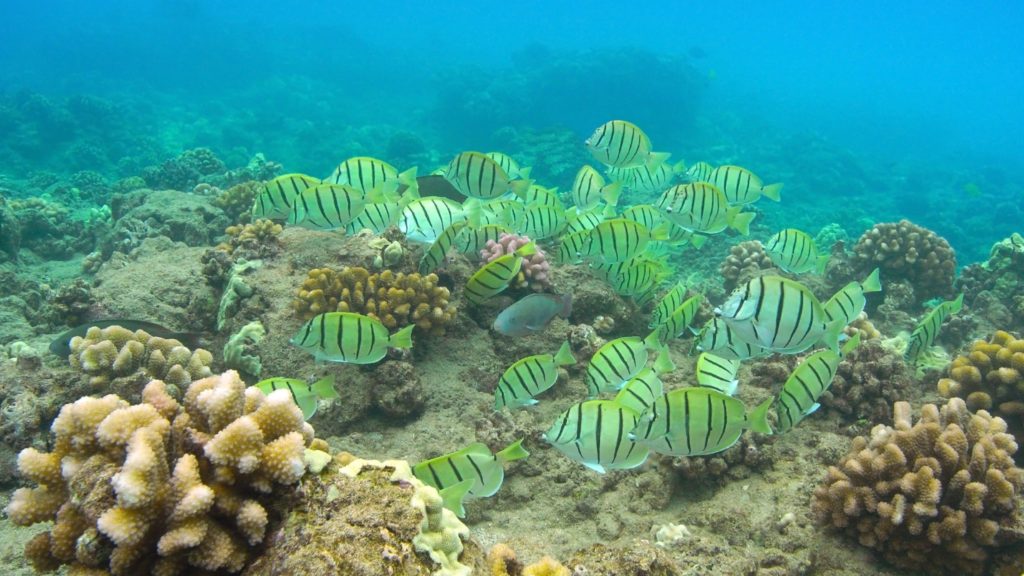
(641, 275)
(509, 165)
(277, 196)
(697, 422)
(779, 314)
(504, 211)
(379, 216)
(493, 277)
(539, 221)
(668, 303)
(589, 189)
(424, 219)
(472, 471)
(595, 434)
(616, 362)
(640, 391)
(477, 176)
(364, 173)
(716, 336)
(700, 172)
(530, 376)
(924, 335)
(435, 254)
(570, 247)
(849, 302)
(537, 194)
(623, 144)
(650, 181)
(327, 207)
(582, 221)
(306, 395)
(644, 214)
(741, 186)
(717, 373)
(349, 337)
(809, 380)
(680, 319)
(473, 239)
(794, 251)
(701, 207)
(619, 240)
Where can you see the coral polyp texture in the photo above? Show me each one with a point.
(746, 260)
(867, 382)
(161, 487)
(535, 271)
(237, 200)
(991, 377)
(905, 251)
(396, 299)
(259, 239)
(938, 495)
(114, 352)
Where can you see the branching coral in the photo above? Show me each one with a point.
(535, 271)
(867, 382)
(395, 299)
(113, 352)
(931, 496)
(905, 251)
(746, 260)
(991, 377)
(161, 487)
(259, 239)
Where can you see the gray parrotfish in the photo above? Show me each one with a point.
(532, 314)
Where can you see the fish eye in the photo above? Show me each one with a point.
(669, 209)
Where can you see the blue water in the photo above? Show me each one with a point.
(867, 111)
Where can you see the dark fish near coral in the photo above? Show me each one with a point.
(61, 345)
(532, 314)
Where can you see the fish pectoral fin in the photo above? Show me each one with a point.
(453, 496)
(595, 467)
(814, 407)
(307, 404)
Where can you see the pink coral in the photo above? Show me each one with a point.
(536, 268)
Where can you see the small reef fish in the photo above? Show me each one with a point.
(364, 173)
(697, 422)
(528, 377)
(668, 303)
(478, 176)
(623, 144)
(306, 395)
(640, 391)
(646, 215)
(532, 314)
(570, 247)
(424, 219)
(849, 302)
(595, 434)
(613, 364)
(472, 471)
(779, 314)
(537, 194)
(327, 206)
(794, 251)
(699, 172)
(436, 253)
(701, 207)
(577, 221)
(924, 335)
(589, 189)
(641, 275)
(473, 239)
(277, 196)
(61, 345)
(509, 165)
(717, 373)
(650, 181)
(741, 186)
(379, 216)
(679, 321)
(619, 240)
(349, 337)
(799, 396)
(538, 221)
(492, 278)
(716, 336)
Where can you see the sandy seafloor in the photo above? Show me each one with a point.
(548, 504)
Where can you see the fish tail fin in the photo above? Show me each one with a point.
(409, 178)
(324, 387)
(772, 191)
(653, 341)
(831, 336)
(452, 496)
(759, 417)
(663, 364)
(609, 211)
(564, 356)
(819, 266)
(740, 221)
(611, 192)
(512, 452)
(955, 306)
(851, 344)
(661, 232)
(307, 404)
(527, 249)
(524, 172)
(679, 167)
(403, 338)
(872, 283)
(656, 159)
(698, 240)
(520, 187)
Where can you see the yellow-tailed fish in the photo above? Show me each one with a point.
(277, 196)
(582, 221)
(424, 219)
(365, 174)
(668, 303)
(473, 239)
(619, 240)
(640, 391)
(540, 221)
(478, 176)
(697, 422)
(794, 251)
(679, 320)
(700, 172)
(809, 380)
(632, 277)
(701, 207)
(716, 336)
(570, 247)
(349, 337)
(472, 471)
(327, 206)
(504, 211)
(436, 253)
(589, 189)
(306, 395)
(924, 335)
(537, 194)
(528, 377)
(379, 216)
(718, 373)
(616, 362)
(849, 302)
(510, 166)
(595, 434)
(741, 186)
(779, 314)
(623, 144)
(492, 278)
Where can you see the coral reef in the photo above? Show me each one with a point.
(69, 305)
(394, 299)
(867, 382)
(237, 200)
(862, 325)
(256, 240)
(240, 350)
(115, 352)
(535, 271)
(48, 229)
(904, 250)
(997, 285)
(397, 390)
(746, 260)
(161, 487)
(749, 454)
(180, 216)
(185, 171)
(934, 495)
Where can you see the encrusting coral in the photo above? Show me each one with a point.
(746, 260)
(394, 299)
(905, 251)
(535, 271)
(161, 487)
(113, 352)
(933, 495)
